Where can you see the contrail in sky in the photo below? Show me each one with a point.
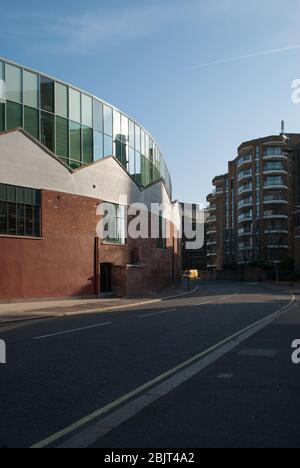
(244, 57)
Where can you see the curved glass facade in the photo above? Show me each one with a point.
(78, 127)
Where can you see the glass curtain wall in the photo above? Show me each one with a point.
(77, 127)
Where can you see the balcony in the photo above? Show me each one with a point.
(279, 246)
(212, 219)
(276, 229)
(245, 175)
(245, 189)
(274, 214)
(209, 243)
(276, 198)
(244, 232)
(211, 254)
(275, 184)
(212, 208)
(275, 168)
(245, 246)
(276, 153)
(246, 217)
(212, 231)
(244, 160)
(245, 203)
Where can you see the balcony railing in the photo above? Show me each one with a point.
(245, 202)
(245, 174)
(245, 246)
(245, 217)
(245, 188)
(212, 219)
(245, 232)
(244, 160)
(275, 214)
(276, 198)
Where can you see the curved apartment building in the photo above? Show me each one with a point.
(64, 153)
(252, 209)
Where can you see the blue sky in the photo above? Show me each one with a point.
(201, 75)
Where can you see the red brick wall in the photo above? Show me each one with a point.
(66, 261)
(62, 262)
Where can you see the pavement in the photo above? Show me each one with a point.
(213, 369)
(32, 310)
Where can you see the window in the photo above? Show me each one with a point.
(47, 130)
(31, 89)
(14, 115)
(108, 146)
(47, 94)
(138, 177)
(75, 141)
(131, 134)
(87, 110)
(74, 105)
(87, 145)
(2, 116)
(117, 126)
(62, 137)
(162, 240)
(31, 121)
(124, 127)
(131, 167)
(13, 84)
(137, 138)
(2, 81)
(20, 211)
(273, 150)
(115, 223)
(61, 100)
(98, 116)
(98, 146)
(108, 121)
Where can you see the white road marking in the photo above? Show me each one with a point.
(72, 331)
(149, 393)
(158, 313)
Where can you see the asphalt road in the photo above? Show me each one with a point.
(59, 371)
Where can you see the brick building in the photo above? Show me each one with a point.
(64, 154)
(254, 207)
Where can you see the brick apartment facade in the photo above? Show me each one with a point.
(254, 207)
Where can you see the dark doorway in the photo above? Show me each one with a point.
(106, 278)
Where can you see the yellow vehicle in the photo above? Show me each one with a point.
(191, 274)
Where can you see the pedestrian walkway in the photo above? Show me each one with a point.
(19, 311)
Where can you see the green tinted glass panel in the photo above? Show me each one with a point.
(47, 94)
(74, 105)
(61, 100)
(108, 120)
(13, 83)
(108, 146)
(75, 141)
(31, 121)
(137, 175)
(87, 110)
(14, 115)
(98, 116)
(87, 145)
(47, 130)
(30, 89)
(75, 164)
(121, 150)
(98, 146)
(62, 137)
(2, 116)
